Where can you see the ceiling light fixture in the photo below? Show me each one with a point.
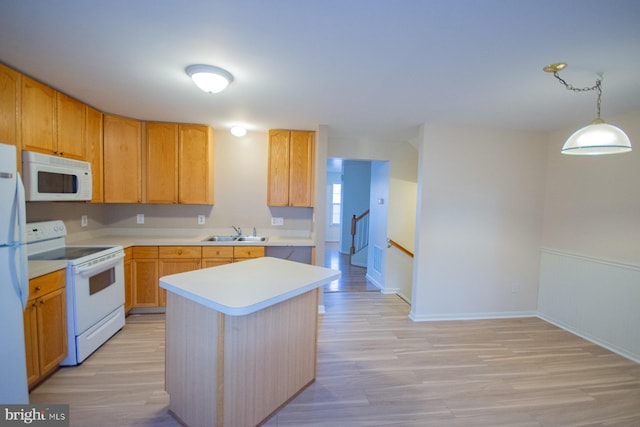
(598, 137)
(238, 131)
(209, 78)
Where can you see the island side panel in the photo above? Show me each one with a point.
(269, 356)
(193, 334)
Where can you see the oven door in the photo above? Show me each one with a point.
(95, 290)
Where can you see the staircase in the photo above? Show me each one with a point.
(359, 239)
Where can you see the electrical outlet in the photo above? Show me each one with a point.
(140, 219)
(515, 288)
(84, 220)
(200, 219)
(277, 220)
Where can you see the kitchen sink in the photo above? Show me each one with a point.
(236, 239)
(220, 239)
(251, 239)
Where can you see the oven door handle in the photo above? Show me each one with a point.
(88, 270)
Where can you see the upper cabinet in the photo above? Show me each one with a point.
(179, 163)
(195, 164)
(9, 105)
(161, 150)
(52, 122)
(290, 168)
(93, 137)
(121, 159)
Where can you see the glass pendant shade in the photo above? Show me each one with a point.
(209, 78)
(596, 139)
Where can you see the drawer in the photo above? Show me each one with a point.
(42, 285)
(248, 251)
(145, 252)
(217, 252)
(177, 252)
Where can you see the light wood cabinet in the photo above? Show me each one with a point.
(290, 168)
(52, 122)
(177, 259)
(121, 159)
(93, 138)
(9, 107)
(195, 164)
(70, 127)
(128, 285)
(144, 275)
(178, 163)
(161, 152)
(216, 255)
(38, 109)
(241, 253)
(45, 323)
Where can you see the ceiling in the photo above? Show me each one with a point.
(364, 68)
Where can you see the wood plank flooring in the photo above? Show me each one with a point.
(353, 279)
(378, 368)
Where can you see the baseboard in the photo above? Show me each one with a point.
(472, 316)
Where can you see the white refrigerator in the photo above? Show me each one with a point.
(14, 284)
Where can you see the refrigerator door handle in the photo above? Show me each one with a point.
(23, 276)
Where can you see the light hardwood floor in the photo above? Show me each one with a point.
(378, 368)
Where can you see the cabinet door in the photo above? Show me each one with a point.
(122, 138)
(9, 103)
(174, 266)
(93, 138)
(195, 170)
(128, 286)
(31, 341)
(52, 329)
(38, 106)
(161, 149)
(70, 126)
(278, 168)
(145, 282)
(301, 157)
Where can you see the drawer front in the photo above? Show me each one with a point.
(145, 252)
(248, 251)
(178, 252)
(217, 252)
(42, 285)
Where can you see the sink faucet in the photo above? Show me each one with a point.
(237, 229)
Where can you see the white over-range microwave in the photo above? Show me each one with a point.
(55, 179)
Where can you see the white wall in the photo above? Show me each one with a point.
(590, 270)
(479, 223)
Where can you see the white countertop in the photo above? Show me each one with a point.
(245, 287)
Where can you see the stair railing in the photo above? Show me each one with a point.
(359, 232)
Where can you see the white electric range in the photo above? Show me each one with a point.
(94, 286)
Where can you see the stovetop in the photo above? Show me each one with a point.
(67, 253)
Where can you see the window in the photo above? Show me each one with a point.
(336, 198)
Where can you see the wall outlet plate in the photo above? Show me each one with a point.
(277, 220)
(84, 220)
(140, 219)
(201, 220)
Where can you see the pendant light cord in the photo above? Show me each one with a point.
(597, 86)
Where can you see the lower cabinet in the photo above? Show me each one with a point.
(45, 326)
(144, 276)
(176, 259)
(128, 284)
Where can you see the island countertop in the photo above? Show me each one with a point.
(245, 287)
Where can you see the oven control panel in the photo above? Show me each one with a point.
(45, 230)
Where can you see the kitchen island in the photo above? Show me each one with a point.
(241, 339)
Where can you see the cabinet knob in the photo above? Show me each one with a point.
(41, 302)
(37, 289)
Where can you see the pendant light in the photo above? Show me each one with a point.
(598, 137)
(209, 78)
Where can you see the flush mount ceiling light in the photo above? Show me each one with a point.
(598, 137)
(209, 78)
(238, 131)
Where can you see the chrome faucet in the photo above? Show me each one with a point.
(237, 229)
